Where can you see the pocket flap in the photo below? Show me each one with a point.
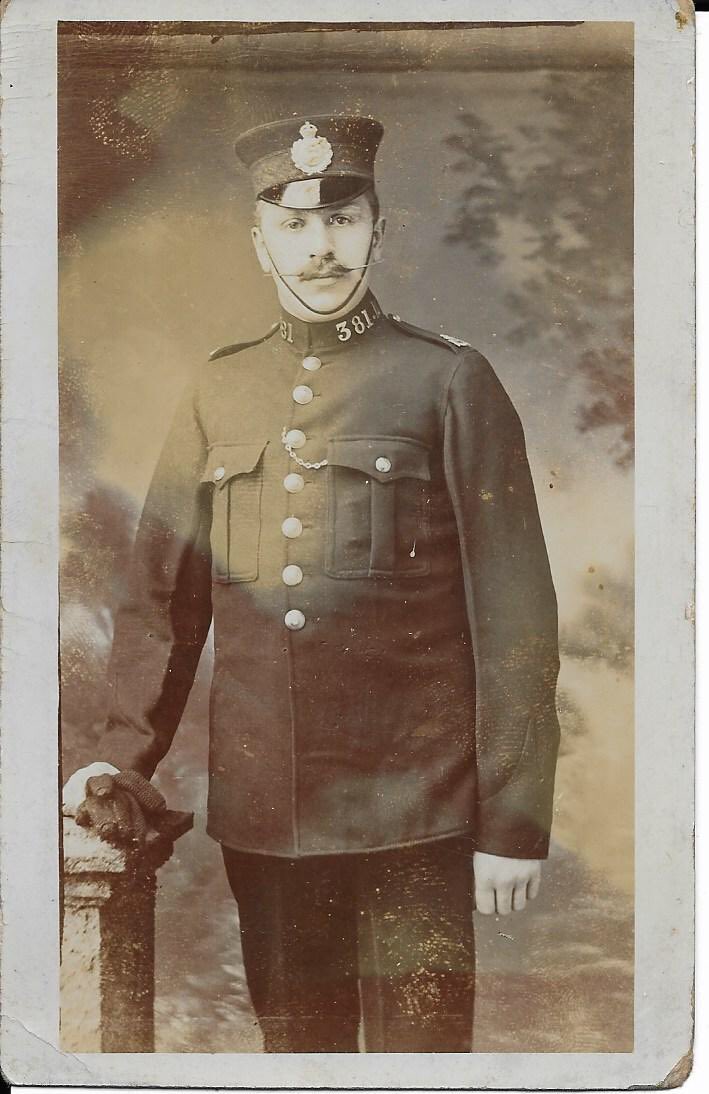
(381, 458)
(227, 460)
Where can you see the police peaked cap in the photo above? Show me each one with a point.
(309, 163)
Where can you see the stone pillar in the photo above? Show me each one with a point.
(108, 938)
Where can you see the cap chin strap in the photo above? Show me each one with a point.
(309, 307)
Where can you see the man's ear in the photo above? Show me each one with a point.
(260, 248)
(378, 238)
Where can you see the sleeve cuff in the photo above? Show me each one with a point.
(511, 832)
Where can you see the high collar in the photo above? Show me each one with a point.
(349, 330)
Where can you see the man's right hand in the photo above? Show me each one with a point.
(114, 804)
(75, 787)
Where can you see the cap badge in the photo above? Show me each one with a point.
(311, 154)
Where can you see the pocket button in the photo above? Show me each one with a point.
(219, 473)
(382, 463)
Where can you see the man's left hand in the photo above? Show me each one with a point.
(504, 885)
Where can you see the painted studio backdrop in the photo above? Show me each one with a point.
(505, 173)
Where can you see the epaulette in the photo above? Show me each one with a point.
(455, 345)
(226, 351)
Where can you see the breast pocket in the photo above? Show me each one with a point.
(378, 507)
(236, 474)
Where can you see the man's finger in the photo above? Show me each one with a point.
(534, 886)
(503, 899)
(485, 899)
(519, 897)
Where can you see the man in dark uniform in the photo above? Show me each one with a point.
(348, 498)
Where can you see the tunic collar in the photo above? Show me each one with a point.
(349, 330)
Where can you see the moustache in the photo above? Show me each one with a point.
(330, 271)
(315, 274)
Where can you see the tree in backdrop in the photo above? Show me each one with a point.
(564, 183)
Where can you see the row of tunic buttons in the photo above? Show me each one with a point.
(292, 527)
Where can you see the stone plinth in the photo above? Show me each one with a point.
(108, 938)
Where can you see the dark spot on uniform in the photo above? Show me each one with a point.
(551, 485)
(601, 587)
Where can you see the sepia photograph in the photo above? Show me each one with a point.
(347, 526)
(346, 407)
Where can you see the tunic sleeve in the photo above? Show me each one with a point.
(511, 607)
(164, 620)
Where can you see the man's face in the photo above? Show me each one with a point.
(319, 253)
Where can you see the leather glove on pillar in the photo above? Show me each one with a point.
(119, 807)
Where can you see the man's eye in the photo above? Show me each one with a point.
(341, 218)
(293, 225)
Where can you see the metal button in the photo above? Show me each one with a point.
(292, 527)
(294, 482)
(302, 394)
(382, 463)
(219, 473)
(294, 619)
(312, 363)
(295, 438)
(292, 575)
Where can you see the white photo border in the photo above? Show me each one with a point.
(664, 521)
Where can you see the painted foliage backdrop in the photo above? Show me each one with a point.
(506, 175)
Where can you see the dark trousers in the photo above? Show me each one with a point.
(386, 935)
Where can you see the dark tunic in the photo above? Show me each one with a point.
(416, 701)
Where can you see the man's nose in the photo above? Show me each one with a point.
(320, 243)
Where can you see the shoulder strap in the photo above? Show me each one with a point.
(226, 351)
(455, 345)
